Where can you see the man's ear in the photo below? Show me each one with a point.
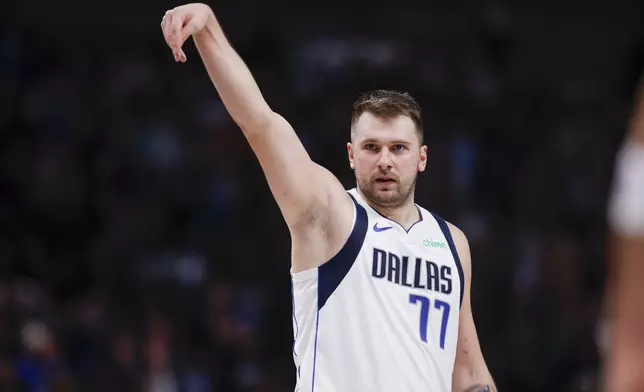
(350, 153)
(422, 162)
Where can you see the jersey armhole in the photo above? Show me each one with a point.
(457, 260)
(331, 273)
(313, 272)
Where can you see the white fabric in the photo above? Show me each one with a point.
(367, 336)
(626, 205)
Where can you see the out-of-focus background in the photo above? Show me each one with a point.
(141, 249)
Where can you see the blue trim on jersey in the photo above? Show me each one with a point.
(450, 241)
(331, 273)
(297, 325)
(315, 349)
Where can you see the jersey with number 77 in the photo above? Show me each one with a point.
(383, 313)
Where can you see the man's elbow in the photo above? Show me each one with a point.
(254, 121)
(258, 122)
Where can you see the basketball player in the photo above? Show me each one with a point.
(381, 286)
(624, 365)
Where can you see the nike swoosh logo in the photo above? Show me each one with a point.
(379, 229)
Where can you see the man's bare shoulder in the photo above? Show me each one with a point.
(457, 234)
(462, 247)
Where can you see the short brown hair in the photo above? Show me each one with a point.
(388, 104)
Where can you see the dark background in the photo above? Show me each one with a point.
(141, 249)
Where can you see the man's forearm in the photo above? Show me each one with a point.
(231, 77)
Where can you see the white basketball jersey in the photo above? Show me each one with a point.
(381, 315)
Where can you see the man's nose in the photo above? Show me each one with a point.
(386, 159)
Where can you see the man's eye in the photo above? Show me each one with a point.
(399, 147)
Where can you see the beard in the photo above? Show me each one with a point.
(389, 195)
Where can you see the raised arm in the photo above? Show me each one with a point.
(470, 370)
(303, 190)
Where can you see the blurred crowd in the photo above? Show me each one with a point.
(141, 249)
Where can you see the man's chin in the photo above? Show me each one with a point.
(386, 192)
(386, 196)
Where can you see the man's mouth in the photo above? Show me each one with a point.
(385, 180)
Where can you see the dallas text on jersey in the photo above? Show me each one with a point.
(425, 274)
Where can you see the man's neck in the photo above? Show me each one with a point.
(405, 214)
